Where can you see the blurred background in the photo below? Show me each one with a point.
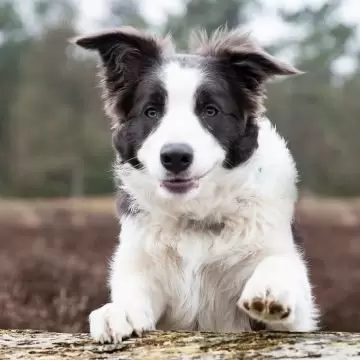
(57, 223)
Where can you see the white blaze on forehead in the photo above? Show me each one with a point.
(181, 84)
(180, 123)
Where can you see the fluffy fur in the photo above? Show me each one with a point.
(219, 255)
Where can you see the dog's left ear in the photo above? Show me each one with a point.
(242, 51)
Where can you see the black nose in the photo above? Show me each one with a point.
(176, 157)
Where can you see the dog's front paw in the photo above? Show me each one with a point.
(268, 302)
(112, 323)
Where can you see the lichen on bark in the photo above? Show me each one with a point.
(31, 345)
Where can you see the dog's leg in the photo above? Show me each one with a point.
(279, 295)
(137, 300)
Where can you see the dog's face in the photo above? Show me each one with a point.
(182, 120)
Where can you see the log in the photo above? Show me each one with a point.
(30, 344)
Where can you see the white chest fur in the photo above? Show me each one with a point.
(201, 271)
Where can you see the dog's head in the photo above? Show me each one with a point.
(179, 120)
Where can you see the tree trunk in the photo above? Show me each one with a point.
(78, 178)
(23, 344)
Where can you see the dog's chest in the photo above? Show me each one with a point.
(205, 273)
(193, 258)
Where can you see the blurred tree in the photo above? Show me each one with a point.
(13, 43)
(325, 37)
(308, 108)
(209, 15)
(54, 110)
(126, 12)
(10, 21)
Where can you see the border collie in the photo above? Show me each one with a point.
(207, 189)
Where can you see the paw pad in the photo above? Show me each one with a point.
(266, 308)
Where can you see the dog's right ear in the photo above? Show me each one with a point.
(125, 48)
(125, 54)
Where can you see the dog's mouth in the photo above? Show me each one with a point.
(180, 185)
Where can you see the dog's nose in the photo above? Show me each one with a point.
(176, 157)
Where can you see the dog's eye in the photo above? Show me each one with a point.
(211, 110)
(151, 112)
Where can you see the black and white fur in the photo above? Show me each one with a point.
(217, 252)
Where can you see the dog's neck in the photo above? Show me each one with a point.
(202, 225)
(126, 206)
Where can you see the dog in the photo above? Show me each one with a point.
(207, 189)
